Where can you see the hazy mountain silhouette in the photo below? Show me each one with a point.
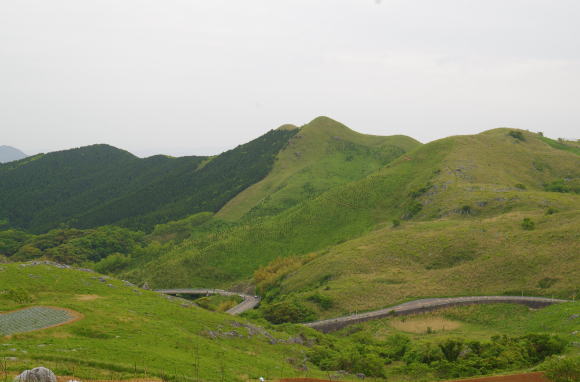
(9, 154)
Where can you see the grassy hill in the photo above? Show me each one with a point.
(99, 185)
(467, 237)
(461, 201)
(123, 332)
(126, 332)
(321, 156)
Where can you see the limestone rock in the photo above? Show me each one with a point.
(39, 374)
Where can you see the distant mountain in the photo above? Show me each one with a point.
(9, 154)
(100, 184)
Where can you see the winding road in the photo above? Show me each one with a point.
(411, 307)
(250, 302)
(427, 305)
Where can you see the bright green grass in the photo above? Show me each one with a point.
(323, 155)
(562, 146)
(132, 332)
(232, 254)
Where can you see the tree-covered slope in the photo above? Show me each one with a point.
(40, 192)
(99, 185)
(9, 154)
(485, 176)
(208, 188)
(322, 155)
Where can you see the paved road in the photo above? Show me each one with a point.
(412, 307)
(425, 305)
(250, 302)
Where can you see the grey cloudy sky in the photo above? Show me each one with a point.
(200, 76)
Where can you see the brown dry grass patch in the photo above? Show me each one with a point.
(69, 378)
(87, 297)
(422, 325)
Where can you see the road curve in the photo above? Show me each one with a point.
(250, 302)
(426, 305)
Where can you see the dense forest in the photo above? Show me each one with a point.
(99, 185)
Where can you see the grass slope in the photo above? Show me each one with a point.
(128, 332)
(322, 155)
(462, 200)
(467, 237)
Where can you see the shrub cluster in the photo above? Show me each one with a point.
(450, 358)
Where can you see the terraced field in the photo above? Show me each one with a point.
(34, 318)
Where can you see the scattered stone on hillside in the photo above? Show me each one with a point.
(146, 286)
(574, 316)
(255, 330)
(48, 263)
(39, 374)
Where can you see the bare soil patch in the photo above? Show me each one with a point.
(527, 377)
(304, 380)
(424, 324)
(87, 297)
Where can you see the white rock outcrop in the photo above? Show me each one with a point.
(39, 374)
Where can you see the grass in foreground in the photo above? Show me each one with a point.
(127, 332)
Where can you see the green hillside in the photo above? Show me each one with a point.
(322, 155)
(490, 181)
(125, 332)
(99, 185)
(113, 330)
(468, 236)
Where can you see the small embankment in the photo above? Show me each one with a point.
(35, 318)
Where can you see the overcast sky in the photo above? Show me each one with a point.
(201, 76)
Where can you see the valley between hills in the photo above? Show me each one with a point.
(318, 222)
